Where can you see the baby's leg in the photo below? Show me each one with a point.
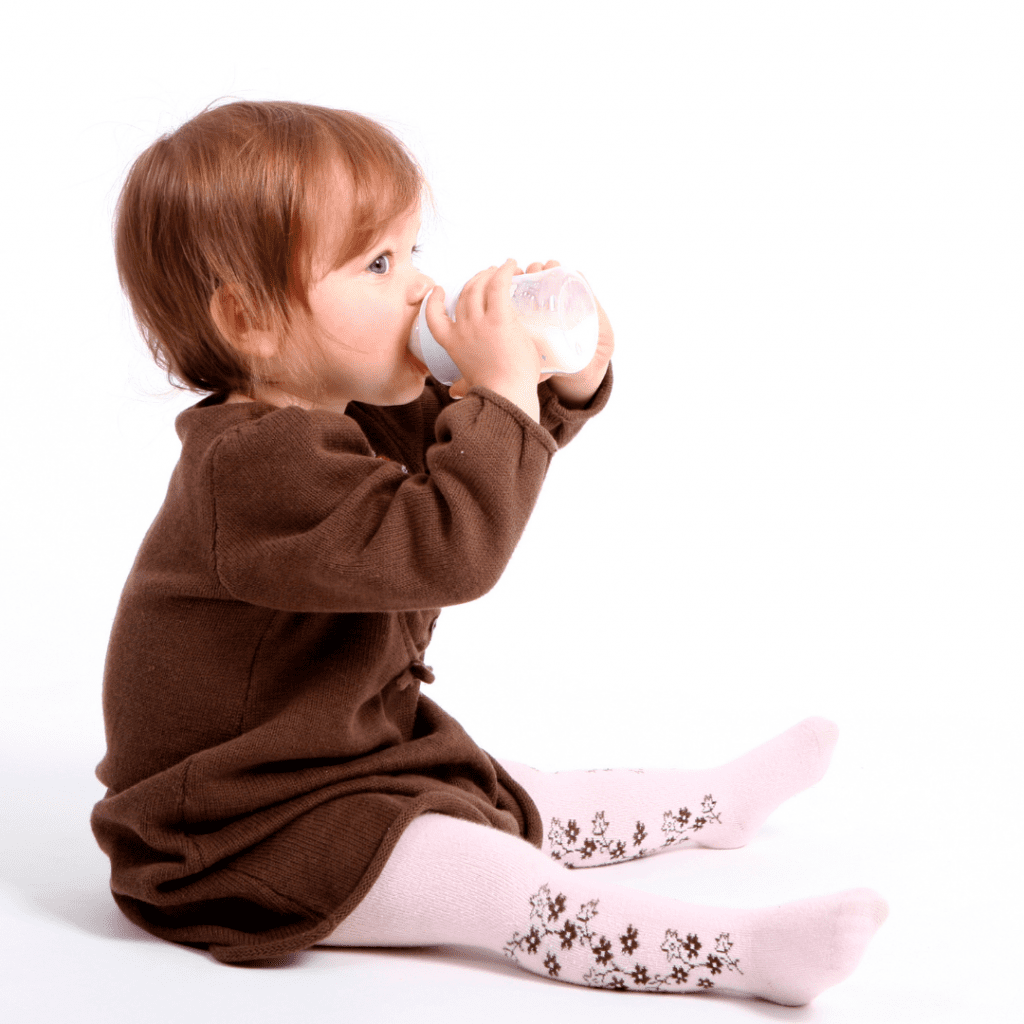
(604, 817)
(454, 882)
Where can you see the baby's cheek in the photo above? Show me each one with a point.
(387, 321)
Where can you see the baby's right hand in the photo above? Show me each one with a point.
(487, 341)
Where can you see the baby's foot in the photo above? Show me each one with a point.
(748, 789)
(799, 949)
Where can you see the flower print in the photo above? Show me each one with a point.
(639, 975)
(612, 979)
(683, 954)
(602, 950)
(673, 946)
(600, 847)
(673, 825)
(556, 907)
(539, 902)
(629, 940)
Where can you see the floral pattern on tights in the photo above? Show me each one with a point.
(622, 960)
(574, 850)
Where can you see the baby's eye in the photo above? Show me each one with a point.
(381, 265)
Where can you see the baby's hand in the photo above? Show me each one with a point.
(487, 341)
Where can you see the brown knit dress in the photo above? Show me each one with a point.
(267, 741)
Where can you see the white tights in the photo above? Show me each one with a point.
(450, 881)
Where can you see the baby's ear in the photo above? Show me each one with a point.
(238, 327)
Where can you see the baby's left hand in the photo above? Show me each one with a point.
(580, 387)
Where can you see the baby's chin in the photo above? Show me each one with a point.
(414, 391)
(409, 391)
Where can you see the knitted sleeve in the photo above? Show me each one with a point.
(307, 519)
(563, 423)
(413, 425)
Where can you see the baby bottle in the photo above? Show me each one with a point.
(558, 309)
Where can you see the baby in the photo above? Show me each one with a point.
(275, 777)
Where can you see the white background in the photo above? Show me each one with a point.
(805, 222)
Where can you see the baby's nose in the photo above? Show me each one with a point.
(421, 287)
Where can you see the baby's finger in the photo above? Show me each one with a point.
(437, 319)
(497, 288)
(471, 301)
(534, 268)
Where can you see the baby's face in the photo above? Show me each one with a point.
(362, 315)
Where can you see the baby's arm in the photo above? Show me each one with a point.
(308, 519)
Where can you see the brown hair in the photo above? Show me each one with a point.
(235, 196)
